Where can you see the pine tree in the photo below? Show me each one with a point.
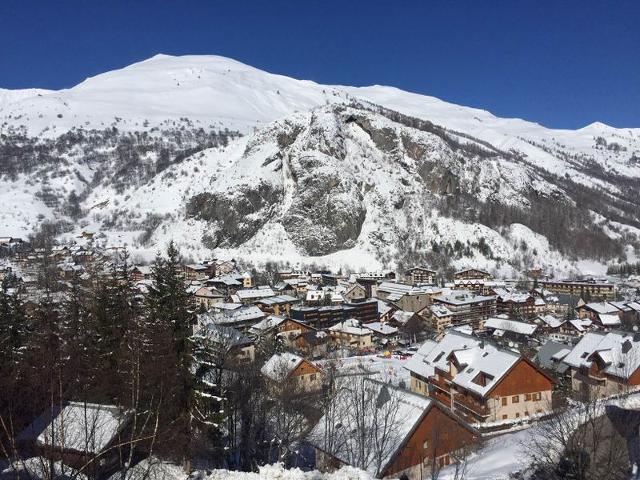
(170, 318)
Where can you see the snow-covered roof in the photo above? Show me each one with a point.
(609, 320)
(244, 313)
(226, 335)
(280, 365)
(463, 298)
(267, 324)
(383, 307)
(417, 363)
(251, 293)
(405, 411)
(581, 324)
(484, 367)
(400, 289)
(511, 326)
(602, 307)
(402, 316)
(381, 328)
(619, 350)
(550, 320)
(83, 427)
(278, 300)
(350, 326)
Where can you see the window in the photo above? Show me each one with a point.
(313, 377)
(537, 397)
(504, 401)
(515, 399)
(504, 417)
(527, 397)
(425, 444)
(517, 414)
(526, 414)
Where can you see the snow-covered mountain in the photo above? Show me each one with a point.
(230, 160)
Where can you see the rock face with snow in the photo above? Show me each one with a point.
(232, 161)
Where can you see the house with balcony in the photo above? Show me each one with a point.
(479, 381)
(604, 364)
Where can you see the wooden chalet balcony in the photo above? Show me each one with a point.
(468, 403)
(440, 382)
(441, 397)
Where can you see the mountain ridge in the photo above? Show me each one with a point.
(135, 133)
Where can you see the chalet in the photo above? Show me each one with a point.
(300, 285)
(604, 314)
(604, 364)
(552, 326)
(514, 303)
(407, 297)
(355, 292)
(235, 345)
(385, 310)
(207, 296)
(141, 272)
(225, 283)
(80, 435)
(290, 329)
(351, 334)
(420, 275)
(468, 308)
(224, 267)
(287, 369)
(266, 326)
(312, 344)
(504, 328)
(194, 272)
(578, 326)
(425, 433)
(582, 288)
(472, 274)
(277, 305)
(479, 381)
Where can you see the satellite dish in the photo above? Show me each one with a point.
(511, 344)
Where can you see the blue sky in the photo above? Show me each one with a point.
(562, 63)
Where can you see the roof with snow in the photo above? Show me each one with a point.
(280, 365)
(78, 426)
(350, 327)
(602, 307)
(609, 320)
(271, 322)
(402, 409)
(278, 300)
(251, 293)
(550, 321)
(521, 328)
(581, 324)
(620, 352)
(381, 328)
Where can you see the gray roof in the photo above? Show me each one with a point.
(549, 356)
